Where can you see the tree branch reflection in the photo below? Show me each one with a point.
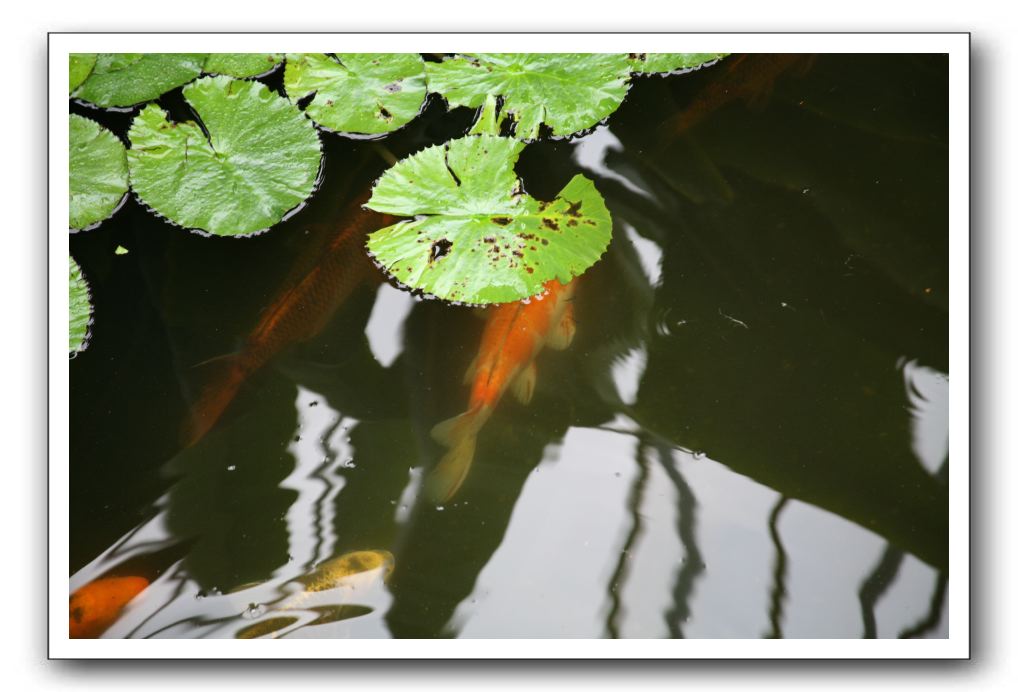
(777, 601)
(685, 526)
(617, 579)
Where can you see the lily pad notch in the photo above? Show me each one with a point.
(259, 161)
(366, 94)
(567, 93)
(476, 237)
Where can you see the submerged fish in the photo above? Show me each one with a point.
(349, 569)
(748, 78)
(513, 336)
(334, 572)
(96, 606)
(301, 310)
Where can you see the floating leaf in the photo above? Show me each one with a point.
(80, 65)
(359, 93)
(80, 309)
(264, 627)
(568, 92)
(650, 63)
(126, 79)
(477, 237)
(242, 64)
(260, 159)
(98, 172)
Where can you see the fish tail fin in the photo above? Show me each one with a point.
(211, 404)
(459, 434)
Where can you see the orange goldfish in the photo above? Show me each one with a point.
(747, 77)
(513, 336)
(96, 606)
(299, 311)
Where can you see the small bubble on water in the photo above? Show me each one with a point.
(699, 455)
(254, 610)
(200, 595)
(439, 508)
(618, 475)
(231, 467)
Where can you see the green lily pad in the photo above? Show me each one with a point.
(98, 172)
(242, 64)
(79, 67)
(259, 161)
(358, 93)
(652, 63)
(568, 92)
(477, 238)
(80, 309)
(127, 79)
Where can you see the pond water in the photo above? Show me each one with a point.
(747, 436)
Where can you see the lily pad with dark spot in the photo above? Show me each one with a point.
(358, 93)
(567, 92)
(477, 238)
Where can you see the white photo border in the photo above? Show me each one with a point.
(956, 646)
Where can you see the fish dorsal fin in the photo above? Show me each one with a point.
(524, 384)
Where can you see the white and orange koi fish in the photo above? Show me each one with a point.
(514, 335)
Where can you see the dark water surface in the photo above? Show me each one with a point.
(746, 438)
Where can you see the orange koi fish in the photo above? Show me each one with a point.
(512, 338)
(747, 77)
(299, 312)
(97, 605)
